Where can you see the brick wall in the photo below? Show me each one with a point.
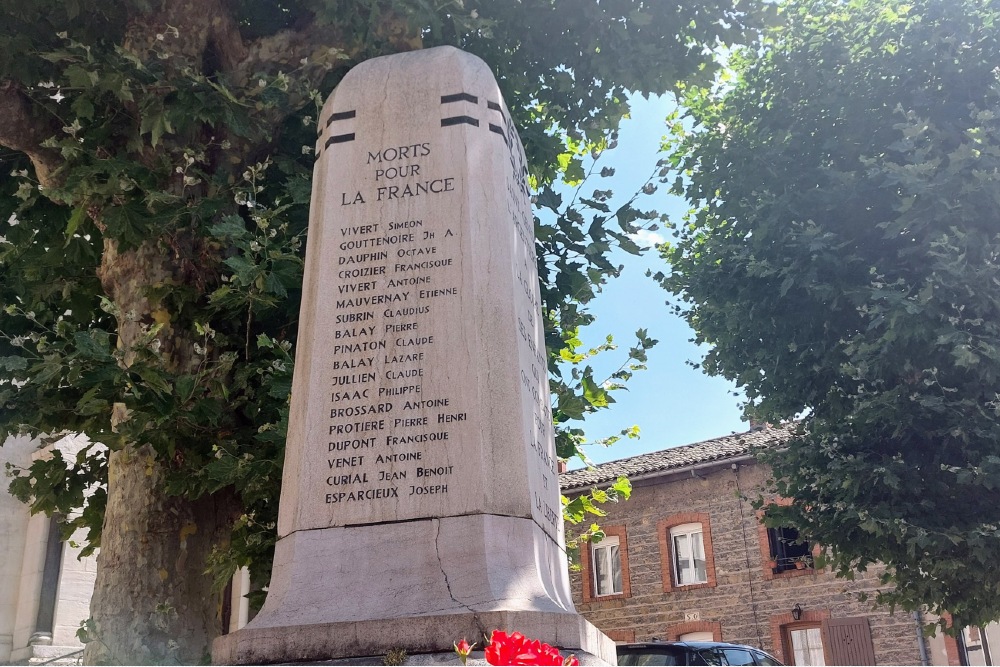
(744, 601)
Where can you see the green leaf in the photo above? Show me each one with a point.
(594, 394)
(623, 487)
(93, 344)
(274, 285)
(83, 108)
(74, 222)
(244, 270)
(80, 77)
(153, 378)
(184, 387)
(13, 363)
(230, 227)
(90, 404)
(549, 199)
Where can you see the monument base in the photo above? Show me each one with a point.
(475, 659)
(570, 632)
(415, 585)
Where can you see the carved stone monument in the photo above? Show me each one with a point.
(420, 502)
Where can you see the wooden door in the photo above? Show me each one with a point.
(848, 641)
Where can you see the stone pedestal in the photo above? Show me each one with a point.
(418, 635)
(420, 501)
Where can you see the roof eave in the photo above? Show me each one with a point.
(734, 460)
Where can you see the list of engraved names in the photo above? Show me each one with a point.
(391, 277)
(408, 287)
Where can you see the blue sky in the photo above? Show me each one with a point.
(671, 402)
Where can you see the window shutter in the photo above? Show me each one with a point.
(848, 641)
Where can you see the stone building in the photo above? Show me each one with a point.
(687, 558)
(45, 583)
(45, 586)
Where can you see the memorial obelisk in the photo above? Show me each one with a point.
(420, 501)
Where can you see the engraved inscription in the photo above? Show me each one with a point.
(397, 369)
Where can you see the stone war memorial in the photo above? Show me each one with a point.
(420, 502)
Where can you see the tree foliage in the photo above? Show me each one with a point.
(841, 259)
(153, 192)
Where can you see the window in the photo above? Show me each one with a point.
(656, 656)
(607, 562)
(688, 548)
(816, 639)
(686, 551)
(604, 566)
(806, 644)
(787, 551)
(765, 660)
(700, 636)
(737, 656)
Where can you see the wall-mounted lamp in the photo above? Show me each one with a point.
(797, 612)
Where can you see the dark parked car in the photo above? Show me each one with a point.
(657, 653)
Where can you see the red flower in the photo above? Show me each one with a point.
(516, 649)
(463, 650)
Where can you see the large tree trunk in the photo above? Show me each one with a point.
(153, 602)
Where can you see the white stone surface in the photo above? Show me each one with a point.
(14, 518)
(416, 634)
(56, 655)
(238, 602)
(22, 561)
(420, 497)
(471, 563)
(76, 586)
(420, 306)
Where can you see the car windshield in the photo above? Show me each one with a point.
(655, 656)
(652, 656)
(706, 656)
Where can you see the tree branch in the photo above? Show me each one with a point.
(24, 131)
(225, 36)
(316, 47)
(311, 48)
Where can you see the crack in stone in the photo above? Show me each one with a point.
(437, 551)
